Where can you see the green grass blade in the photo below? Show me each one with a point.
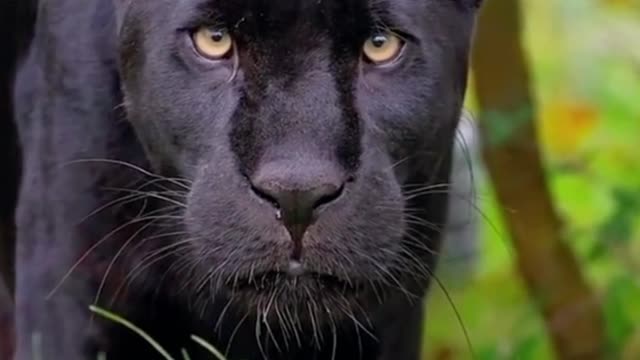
(208, 347)
(185, 355)
(130, 326)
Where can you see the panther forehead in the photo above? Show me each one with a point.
(285, 16)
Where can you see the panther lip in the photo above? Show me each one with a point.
(294, 275)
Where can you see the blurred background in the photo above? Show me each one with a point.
(551, 269)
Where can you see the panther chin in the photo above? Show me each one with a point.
(307, 295)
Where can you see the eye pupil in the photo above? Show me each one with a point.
(217, 35)
(379, 41)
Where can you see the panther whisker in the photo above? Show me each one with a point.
(348, 309)
(356, 326)
(409, 190)
(234, 333)
(222, 314)
(457, 314)
(116, 256)
(415, 239)
(258, 333)
(265, 314)
(283, 326)
(296, 324)
(124, 200)
(314, 323)
(399, 162)
(155, 195)
(334, 334)
(149, 260)
(130, 166)
(91, 249)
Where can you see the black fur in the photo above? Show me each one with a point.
(140, 163)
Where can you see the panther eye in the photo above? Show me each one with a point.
(383, 48)
(214, 44)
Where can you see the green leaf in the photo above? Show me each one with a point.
(622, 310)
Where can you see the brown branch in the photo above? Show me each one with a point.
(550, 270)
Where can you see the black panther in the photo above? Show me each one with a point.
(268, 175)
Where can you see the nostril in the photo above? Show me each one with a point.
(265, 196)
(315, 198)
(327, 194)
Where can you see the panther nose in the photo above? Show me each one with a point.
(297, 195)
(297, 207)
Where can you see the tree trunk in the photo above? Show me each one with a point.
(547, 265)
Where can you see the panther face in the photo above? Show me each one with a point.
(306, 135)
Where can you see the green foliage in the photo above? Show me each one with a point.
(585, 66)
(622, 309)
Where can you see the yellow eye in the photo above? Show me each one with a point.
(383, 48)
(213, 43)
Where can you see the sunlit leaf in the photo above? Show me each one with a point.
(566, 126)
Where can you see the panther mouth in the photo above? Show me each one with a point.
(308, 295)
(293, 281)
